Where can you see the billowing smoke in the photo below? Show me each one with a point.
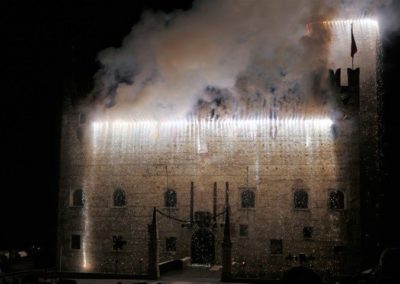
(233, 57)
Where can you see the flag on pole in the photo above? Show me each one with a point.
(353, 43)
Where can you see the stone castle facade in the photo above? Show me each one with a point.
(292, 187)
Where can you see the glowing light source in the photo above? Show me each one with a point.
(362, 21)
(122, 125)
(84, 261)
(365, 23)
(135, 134)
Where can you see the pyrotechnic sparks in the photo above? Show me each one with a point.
(366, 22)
(125, 125)
(85, 237)
(125, 135)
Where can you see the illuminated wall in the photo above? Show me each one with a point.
(274, 157)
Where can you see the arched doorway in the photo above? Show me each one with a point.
(300, 275)
(203, 247)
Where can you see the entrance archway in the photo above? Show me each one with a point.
(203, 247)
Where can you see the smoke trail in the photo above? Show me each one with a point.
(232, 54)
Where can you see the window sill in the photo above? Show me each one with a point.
(302, 209)
(336, 210)
(122, 251)
(247, 208)
(170, 208)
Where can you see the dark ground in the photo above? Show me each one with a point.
(50, 52)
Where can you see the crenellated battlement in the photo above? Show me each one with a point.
(350, 94)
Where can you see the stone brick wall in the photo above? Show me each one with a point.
(274, 160)
(273, 166)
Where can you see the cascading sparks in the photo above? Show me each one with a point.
(369, 24)
(363, 22)
(124, 135)
(211, 127)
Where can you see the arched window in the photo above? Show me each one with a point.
(119, 197)
(336, 200)
(170, 199)
(77, 198)
(248, 198)
(300, 199)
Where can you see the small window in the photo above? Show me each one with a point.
(276, 247)
(75, 242)
(300, 199)
(336, 200)
(79, 133)
(77, 198)
(119, 198)
(308, 232)
(244, 230)
(82, 118)
(170, 199)
(248, 198)
(118, 242)
(170, 244)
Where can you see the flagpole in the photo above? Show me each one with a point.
(352, 55)
(353, 47)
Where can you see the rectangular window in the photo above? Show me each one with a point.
(82, 118)
(308, 232)
(244, 230)
(170, 244)
(276, 247)
(248, 197)
(75, 241)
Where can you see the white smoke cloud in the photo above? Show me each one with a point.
(248, 50)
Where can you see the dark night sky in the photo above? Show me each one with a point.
(50, 51)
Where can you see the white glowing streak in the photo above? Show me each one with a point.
(367, 22)
(249, 124)
(85, 264)
(135, 136)
(84, 255)
(85, 239)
